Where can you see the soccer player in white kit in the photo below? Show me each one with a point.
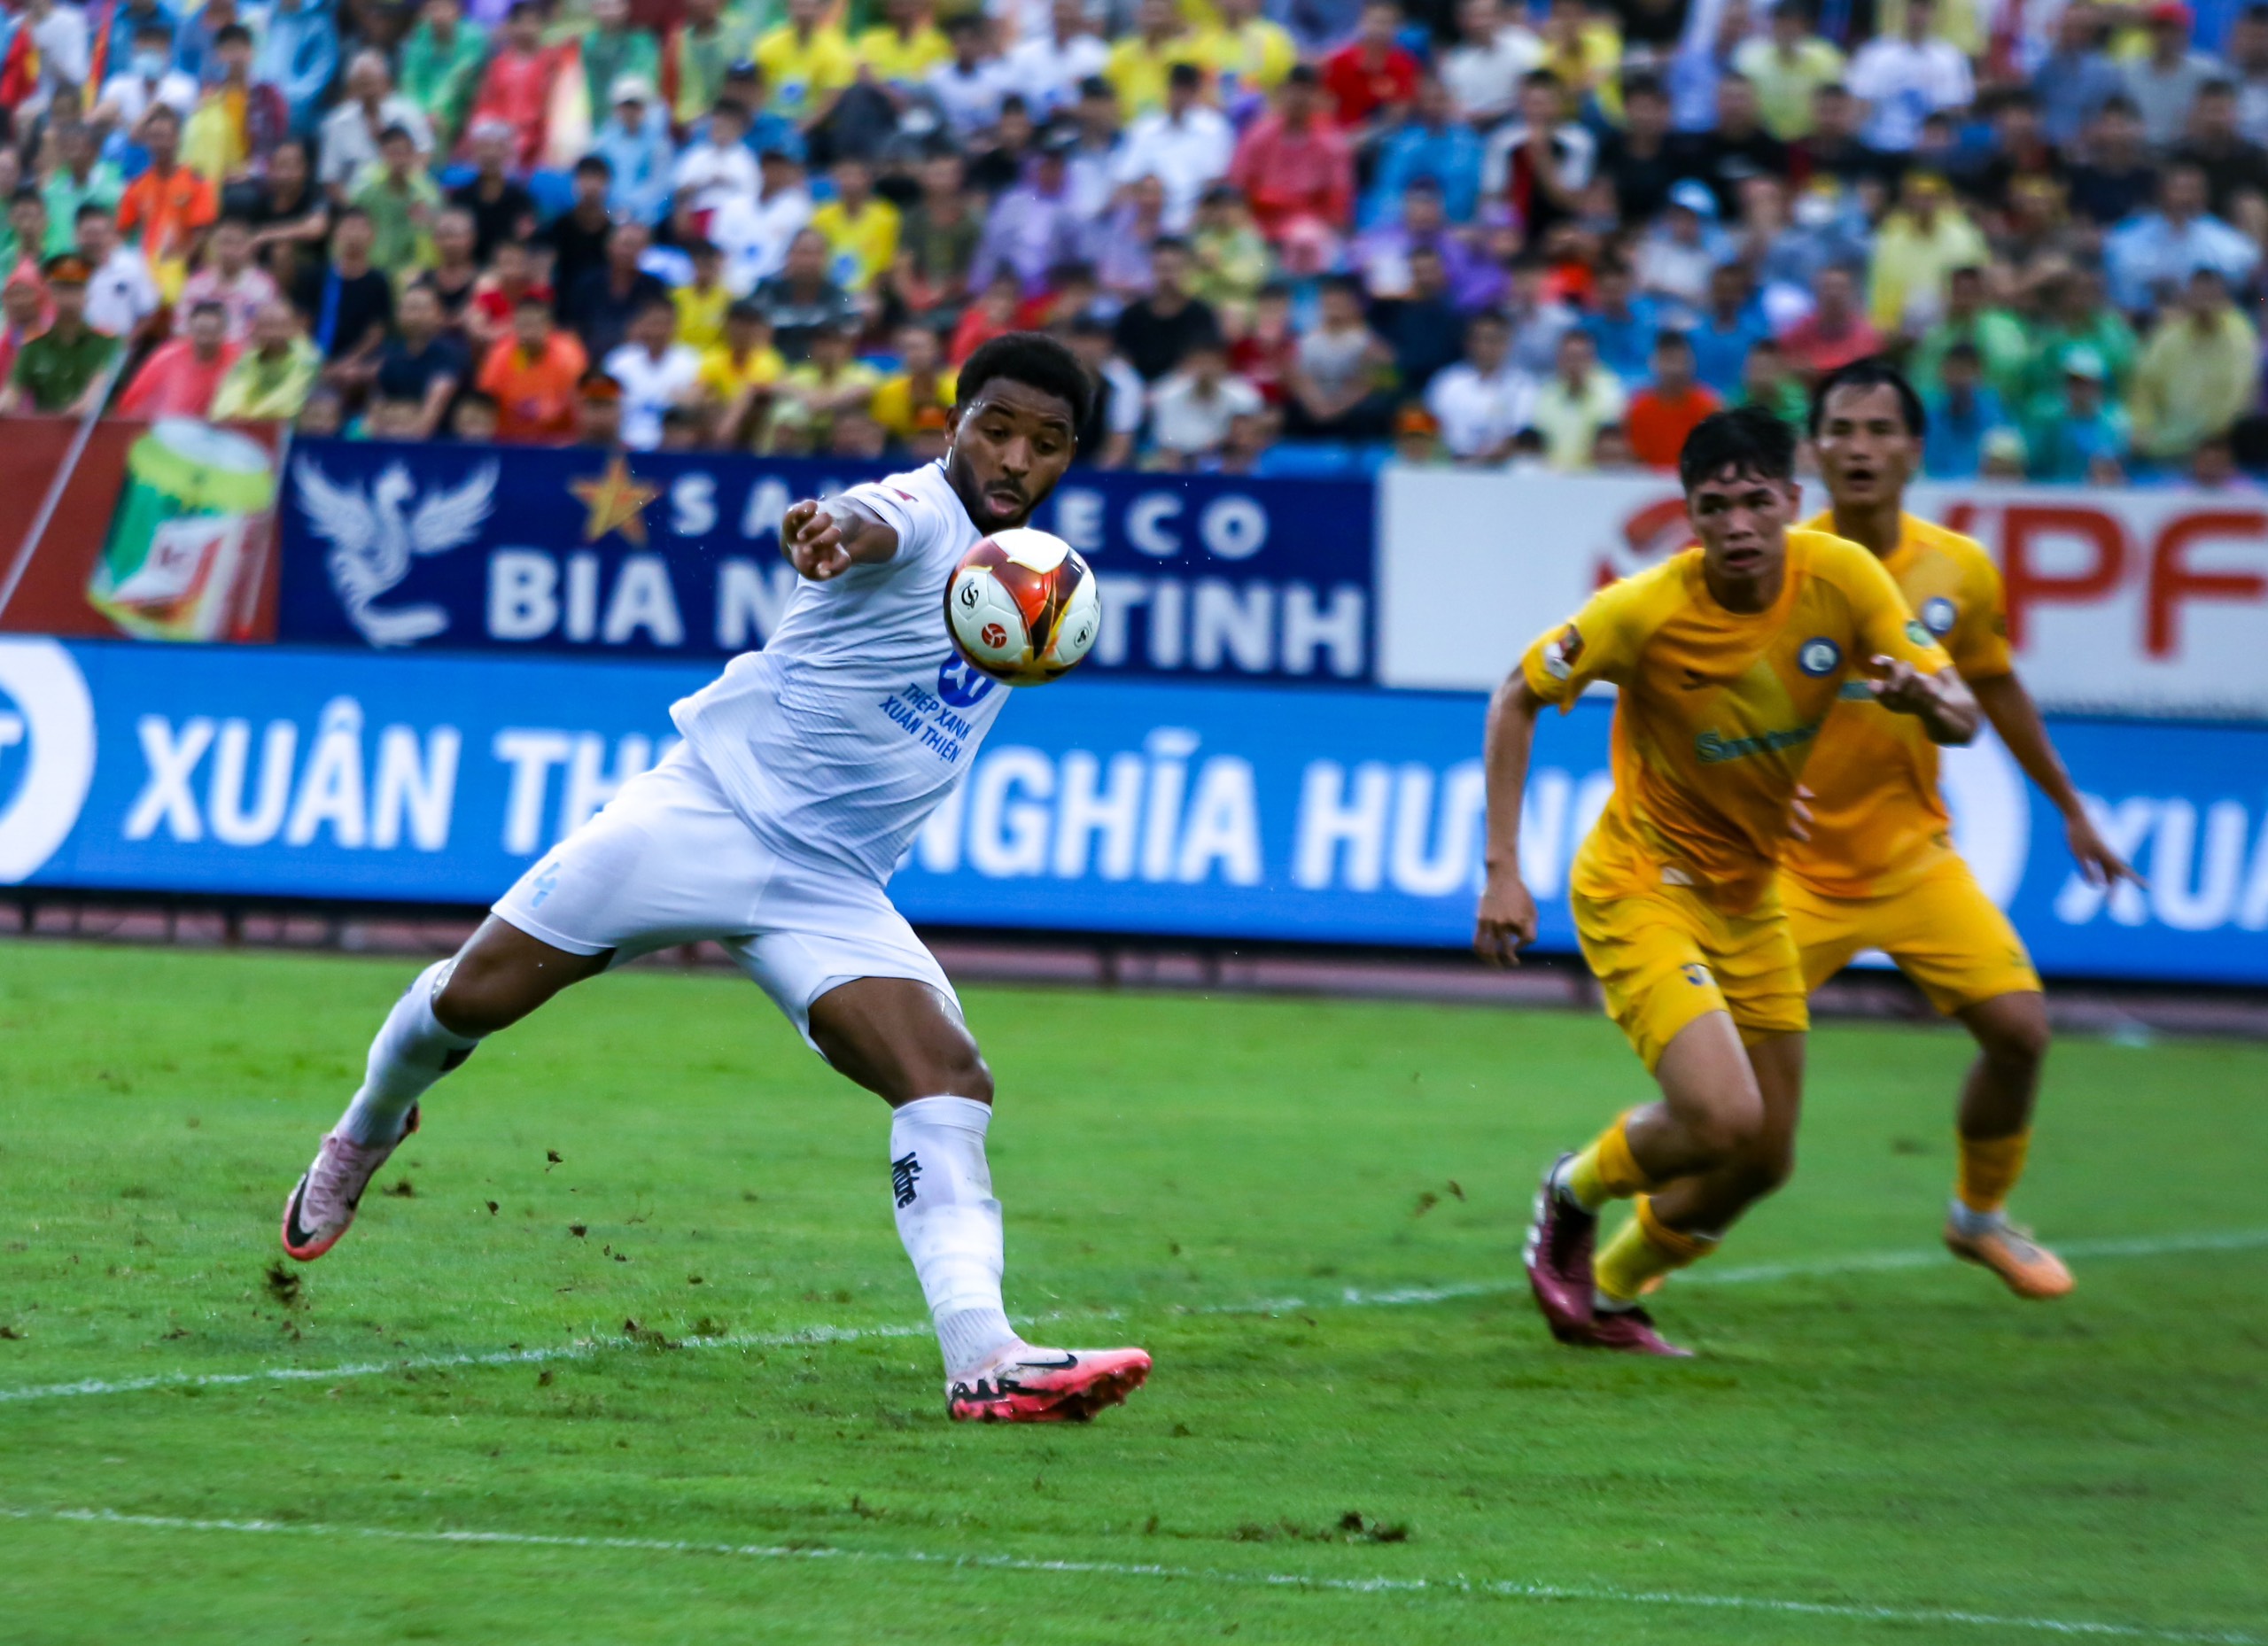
(772, 829)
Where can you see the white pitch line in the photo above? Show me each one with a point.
(1459, 1586)
(1350, 1297)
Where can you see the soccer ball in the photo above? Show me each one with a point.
(1023, 607)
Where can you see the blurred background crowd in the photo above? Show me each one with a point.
(1288, 236)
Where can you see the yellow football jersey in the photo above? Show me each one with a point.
(1718, 710)
(1878, 821)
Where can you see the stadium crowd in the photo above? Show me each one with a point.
(1288, 237)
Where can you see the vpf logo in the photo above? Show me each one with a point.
(1817, 656)
(1938, 614)
(47, 753)
(961, 683)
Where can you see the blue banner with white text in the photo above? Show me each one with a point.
(1095, 806)
(658, 555)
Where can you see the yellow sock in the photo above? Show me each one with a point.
(1989, 1169)
(1645, 1250)
(1607, 1170)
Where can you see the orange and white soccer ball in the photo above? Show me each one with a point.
(1023, 606)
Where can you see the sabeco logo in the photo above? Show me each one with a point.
(47, 752)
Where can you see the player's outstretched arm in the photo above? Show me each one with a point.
(1941, 702)
(825, 538)
(2016, 718)
(1506, 921)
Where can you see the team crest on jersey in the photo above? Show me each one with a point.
(960, 683)
(1565, 651)
(1817, 656)
(1938, 615)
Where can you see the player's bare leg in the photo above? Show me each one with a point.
(499, 977)
(906, 1043)
(1995, 1127)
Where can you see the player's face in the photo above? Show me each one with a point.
(1742, 520)
(1009, 448)
(1866, 451)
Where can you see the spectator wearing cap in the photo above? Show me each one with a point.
(298, 54)
(1665, 408)
(1481, 402)
(1973, 320)
(1371, 78)
(919, 384)
(1293, 164)
(2076, 77)
(656, 372)
(2165, 82)
(1730, 323)
(517, 87)
(1575, 402)
(168, 207)
(756, 234)
(1139, 63)
(901, 50)
(421, 365)
(1186, 146)
(1961, 411)
(2200, 372)
(1902, 77)
(63, 371)
(612, 47)
(1539, 165)
(1836, 331)
(860, 228)
(2117, 174)
(1430, 143)
(122, 295)
(2234, 166)
(940, 237)
(532, 376)
(1788, 65)
(1155, 332)
(351, 131)
(1483, 71)
(1048, 67)
(803, 299)
(1918, 246)
(807, 62)
(2083, 435)
(238, 121)
(1679, 253)
(737, 376)
(441, 65)
(598, 412)
(230, 280)
(271, 379)
(1192, 406)
(1247, 54)
(2151, 256)
(635, 144)
(401, 201)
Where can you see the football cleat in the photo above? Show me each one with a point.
(1631, 1331)
(322, 1207)
(1048, 1386)
(2028, 1269)
(1558, 1258)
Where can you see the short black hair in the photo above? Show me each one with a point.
(1748, 440)
(1874, 372)
(1035, 360)
(231, 33)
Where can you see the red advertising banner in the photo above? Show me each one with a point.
(161, 531)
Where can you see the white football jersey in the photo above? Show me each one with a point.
(844, 733)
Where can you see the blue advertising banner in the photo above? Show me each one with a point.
(1096, 806)
(676, 554)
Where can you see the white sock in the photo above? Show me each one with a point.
(951, 1225)
(1971, 1221)
(411, 1052)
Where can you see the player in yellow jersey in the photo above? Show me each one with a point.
(1729, 657)
(1877, 869)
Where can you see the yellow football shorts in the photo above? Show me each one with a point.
(1664, 956)
(1943, 931)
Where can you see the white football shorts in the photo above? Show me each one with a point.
(668, 861)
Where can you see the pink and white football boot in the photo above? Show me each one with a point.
(322, 1207)
(1048, 1386)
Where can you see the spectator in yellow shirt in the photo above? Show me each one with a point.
(1139, 65)
(702, 301)
(860, 228)
(738, 375)
(1248, 55)
(900, 53)
(807, 62)
(899, 402)
(833, 383)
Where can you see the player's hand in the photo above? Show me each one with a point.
(812, 539)
(1902, 688)
(1799, 818)
(1506, 923)
(2099, 864)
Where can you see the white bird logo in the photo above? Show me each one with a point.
(372, 542)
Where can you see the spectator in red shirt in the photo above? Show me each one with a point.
(1370, 79)
(517, 87)
(180, 378)
(1662, 414)
(1836, 332)
(1293, 166)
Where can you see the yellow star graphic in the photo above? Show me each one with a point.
(616, 502)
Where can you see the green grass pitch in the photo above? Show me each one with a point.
(1878, 1445)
